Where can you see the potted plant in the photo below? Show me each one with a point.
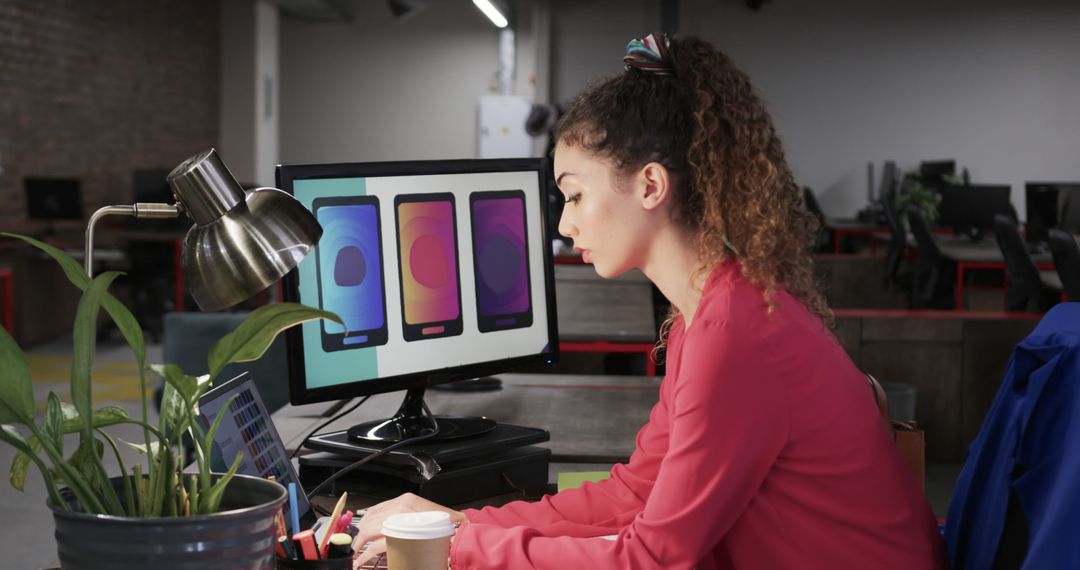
(919, 196)
(157, 516)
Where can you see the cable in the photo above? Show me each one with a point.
(379, 453)
(324, 424)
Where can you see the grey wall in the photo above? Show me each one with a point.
(994, 84)
(381, 89)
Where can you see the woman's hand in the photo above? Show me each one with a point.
(371, 523)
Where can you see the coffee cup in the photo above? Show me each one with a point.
(418, 541)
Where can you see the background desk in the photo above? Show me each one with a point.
(986, 254)
(605, 315)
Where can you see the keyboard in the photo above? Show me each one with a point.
(377, 563)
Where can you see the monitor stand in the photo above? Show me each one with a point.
(412, 420)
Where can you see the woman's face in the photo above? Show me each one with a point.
(601, 215)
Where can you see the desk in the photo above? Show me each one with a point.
(605, 315)
(851, 227)
(983, 254)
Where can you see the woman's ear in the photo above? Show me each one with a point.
(654, 184)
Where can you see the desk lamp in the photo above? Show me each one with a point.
(242, 241)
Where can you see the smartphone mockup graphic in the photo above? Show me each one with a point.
(500, 260)
(349, 264)
(428, 266)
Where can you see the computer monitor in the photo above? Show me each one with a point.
(52, 199)
(933, 172)
(440, 271)
(971, 209)
(1051, 205)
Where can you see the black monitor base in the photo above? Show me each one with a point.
(412, 420)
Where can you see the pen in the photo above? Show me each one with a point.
(332, 523)
(294, 511)
(306, 540)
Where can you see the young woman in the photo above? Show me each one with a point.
(766, 449)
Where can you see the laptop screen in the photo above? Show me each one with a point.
(248, 429)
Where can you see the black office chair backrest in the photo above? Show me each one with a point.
(1024, 282)
(1066, 254)
(929, 253)
(898, 239)
(814, 208)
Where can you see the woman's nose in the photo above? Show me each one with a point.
(566, 225)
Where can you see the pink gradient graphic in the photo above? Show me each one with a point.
(429, 262)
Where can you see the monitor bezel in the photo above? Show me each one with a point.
(300, 394)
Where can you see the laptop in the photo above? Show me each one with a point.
(248, 429)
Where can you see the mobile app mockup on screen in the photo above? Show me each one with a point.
(428, 266)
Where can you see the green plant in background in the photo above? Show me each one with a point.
(162, 489)
(915, 194)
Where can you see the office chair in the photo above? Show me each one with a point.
(812, 206)
(1025, 285)
(1066, 254)
(928, 288)
(898, 237)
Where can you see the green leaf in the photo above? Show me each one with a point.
(16, 389)
(85, 461)
(181, 391)
(53, 427)
(212, 499)
(26, 449)
(21, 464)
(76, 273)
(255, 334)
(84, 345)
(103, 417)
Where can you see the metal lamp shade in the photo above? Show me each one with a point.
(242, 241)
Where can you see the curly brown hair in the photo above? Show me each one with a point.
(706, 124)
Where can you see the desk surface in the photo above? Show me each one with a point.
(592, 419)
(985, 251)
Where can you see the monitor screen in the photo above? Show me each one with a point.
(970, 209)
(152, 187)
(1051, 205)
(53, 198)
(438, 269)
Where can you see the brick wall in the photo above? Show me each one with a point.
(94, 89)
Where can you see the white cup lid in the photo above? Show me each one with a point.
(418, 526)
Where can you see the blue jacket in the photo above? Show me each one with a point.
(1029, 447)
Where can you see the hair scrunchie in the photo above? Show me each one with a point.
(649, 55)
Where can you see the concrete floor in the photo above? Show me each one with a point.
(27, 540)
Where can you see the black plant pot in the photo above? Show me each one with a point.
(240, 537)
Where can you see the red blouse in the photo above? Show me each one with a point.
(765, 450)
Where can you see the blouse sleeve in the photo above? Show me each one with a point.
(729, 422)
(594, 508)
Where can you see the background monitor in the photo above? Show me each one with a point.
(933, 172)
(440, 270)
(1051, 205)
(53, 199)
(971, 209)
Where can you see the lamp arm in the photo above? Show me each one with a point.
(139, 210)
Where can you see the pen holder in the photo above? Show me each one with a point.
(326, 564)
